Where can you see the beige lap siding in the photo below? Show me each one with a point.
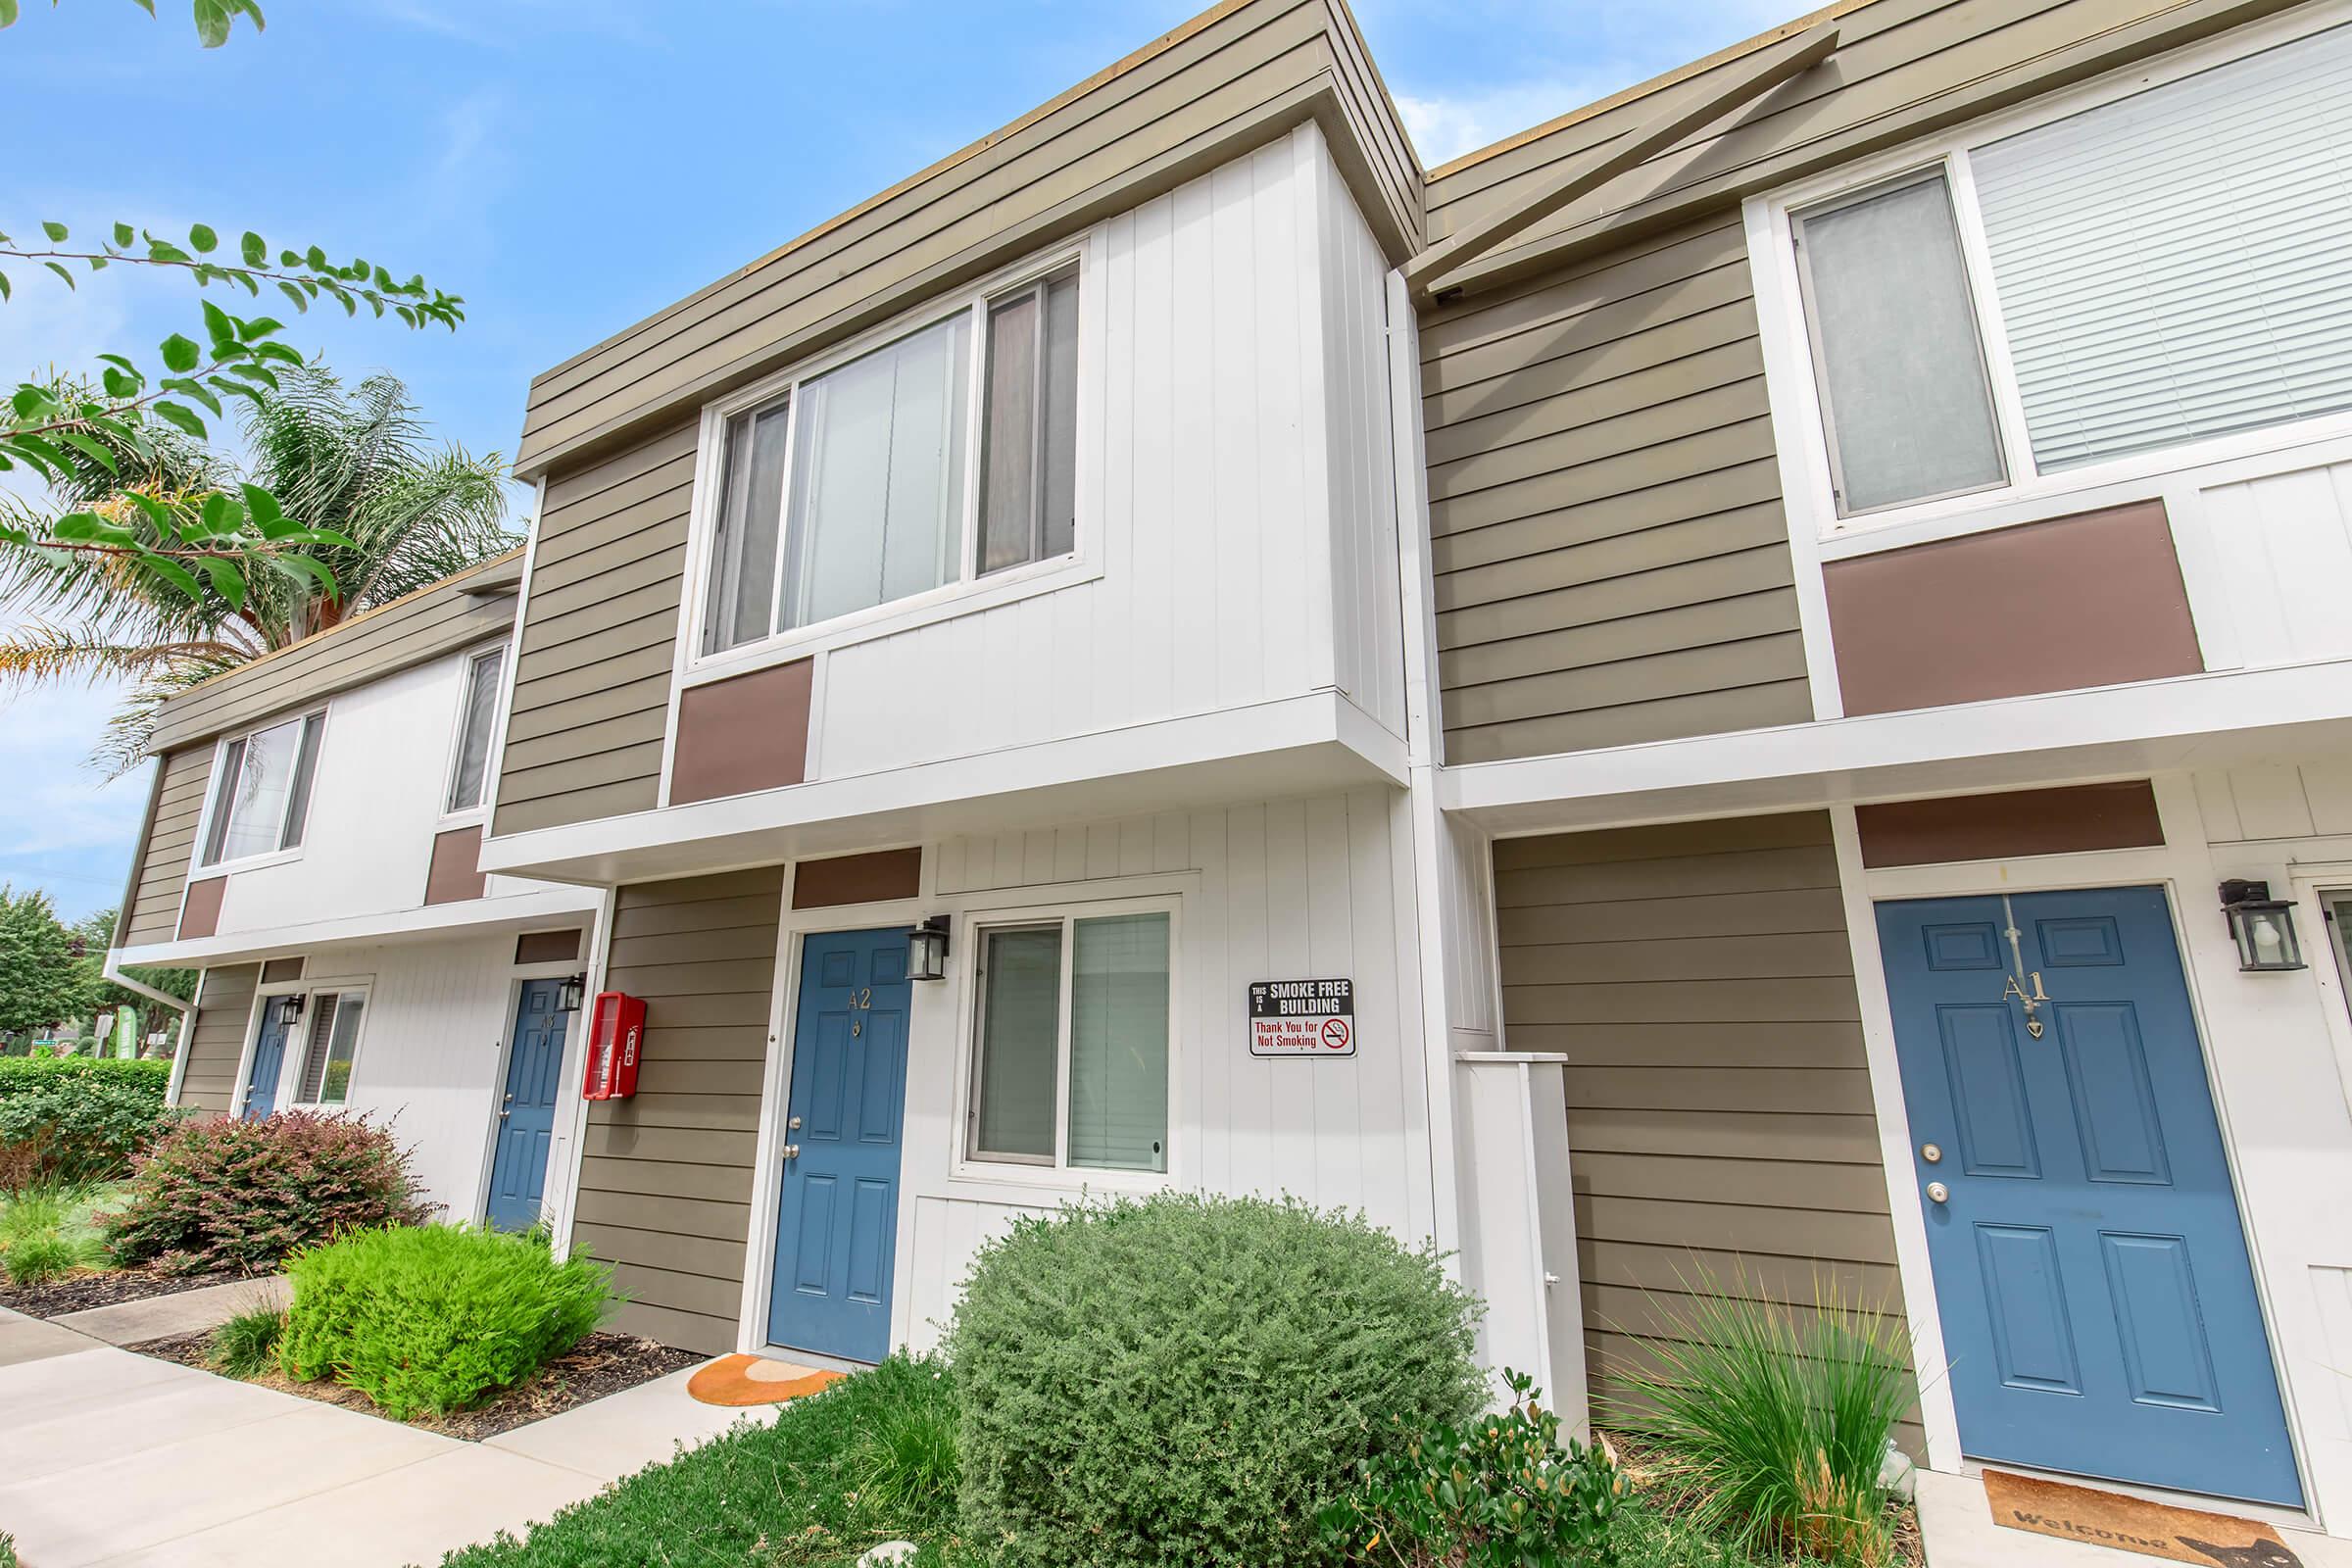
(216, 1040)
(666, 1178)
(151, 907)
(1698, 979)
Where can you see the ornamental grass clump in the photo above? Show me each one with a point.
(435, 1318)
(1771, 1421)
(242, 1194)
(1190, 1380)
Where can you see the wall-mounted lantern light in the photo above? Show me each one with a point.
(927, 950)
(572, 995)
(2263, 927)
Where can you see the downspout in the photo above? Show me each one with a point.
(112, 971)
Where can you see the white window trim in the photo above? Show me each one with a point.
(289, 1067)
(465, 815)
(1793, 387)
(999, 1171)
(200, 871)
(964, 593)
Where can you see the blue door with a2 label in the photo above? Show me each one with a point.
(279, 1014)
(837, 1215)
(526, 1115)
(2098, 1307)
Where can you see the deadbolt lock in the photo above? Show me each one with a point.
(792, 1125)
(1938, 1193)
(1933, 1153)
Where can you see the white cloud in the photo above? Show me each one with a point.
(1444, 127)
(63, 827)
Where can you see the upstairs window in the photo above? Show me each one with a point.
(476, 730)
(2156, 270)
(940, 455)
(263, 794)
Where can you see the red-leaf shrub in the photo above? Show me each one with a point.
(242, 1194)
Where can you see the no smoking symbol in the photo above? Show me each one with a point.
(1335, 1034)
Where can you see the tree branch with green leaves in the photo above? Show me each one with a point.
(212, 17)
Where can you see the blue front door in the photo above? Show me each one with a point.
(2098, 1307)
(837, 1218)
(526, 1117)
(278, 1016)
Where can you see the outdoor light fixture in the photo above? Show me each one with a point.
(573, 994)
(927, 950)
(2262, 926)
(294, 1003)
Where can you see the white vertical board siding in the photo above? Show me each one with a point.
(1296, 889)
(2279, 801)
(430, 1052)
(1233, 458)
(2281, 545)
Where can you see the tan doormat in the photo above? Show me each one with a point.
(2133, 1524)
(756, 1380)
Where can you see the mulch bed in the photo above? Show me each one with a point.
(75, 1292)
(600, 1365)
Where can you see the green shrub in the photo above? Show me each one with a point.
(435, 1318)
(29, 1074)
(38, 1260)
(1771, 1421)
(243, 1195)
(49, 1229)
(247, 1344)
(81, 1126)
(1191, 1380)
(1508, 1493)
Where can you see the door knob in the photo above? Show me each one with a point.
(792, 1151)
(793, 1126)
(1931, 1152)
(1938, 1193)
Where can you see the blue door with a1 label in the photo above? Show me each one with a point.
(526, 1117)
(837, 1215)
(2098, 1307)
(280, 1015)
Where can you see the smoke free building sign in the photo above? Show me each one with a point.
(1303, 1018)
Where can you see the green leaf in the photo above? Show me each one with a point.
(251, 394)
(228, 581)
(255, 372)
(322, 536)
(315, 259)
(211, 23)
(220, 323)
(302, 300)
(5, 288)
(8, 13)
(278, 351)
(202, 237)
(121, 384)
(31, 402)
(14, 446)
(172, 573)
(157, 511)
(175, 414)
(197, 390)
(35, 446)
(90, 449)
(181, 353)
(299, 567)
(266, 513)
(259, 326)
(58, 268)
(222, 513)
(158, 250)
(124, 234)
(88, 527)
(55, 230)
(97, 262)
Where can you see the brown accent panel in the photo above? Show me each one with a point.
(858, 878)
(2090, 600)
(456, 872)
(744, 734)
(666, 1178)
(278, 969)
(547, 946)
(1698, 979)
(199, 916)
(1993, 827)
(217, 1038)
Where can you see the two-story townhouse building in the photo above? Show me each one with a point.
(310, 846)
(1755, 625)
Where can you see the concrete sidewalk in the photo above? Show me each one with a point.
(111, 1457)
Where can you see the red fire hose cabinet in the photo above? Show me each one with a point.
(616, 1042)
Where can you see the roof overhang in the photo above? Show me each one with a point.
(2222, 719)
(1296, 746)
(543, 910)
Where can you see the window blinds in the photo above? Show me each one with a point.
(1119, 1044)
(2178, 265)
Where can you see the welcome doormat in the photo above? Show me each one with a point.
(744, 1380)
(2133, 1524)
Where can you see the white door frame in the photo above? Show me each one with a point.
(516, 975)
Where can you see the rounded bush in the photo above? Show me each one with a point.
(1190, 1380)
(79, 1126)
(222, 1193)
(435, 1318)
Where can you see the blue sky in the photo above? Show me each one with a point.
(571, 166)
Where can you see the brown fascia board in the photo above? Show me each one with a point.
(1318, 100)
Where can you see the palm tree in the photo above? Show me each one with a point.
(352, 459)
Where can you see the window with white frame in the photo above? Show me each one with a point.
(1070, 1043)
(2152, 272)
(263, 792)
(470, 771)
(945, 454)
(330, 1047)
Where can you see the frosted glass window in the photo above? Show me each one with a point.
(1029, 448)
(877, 485)
(1020, 1027)
(1120, 1043)
(1894, 341)
(2178, 265)
(474, 740)
(263, 794)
